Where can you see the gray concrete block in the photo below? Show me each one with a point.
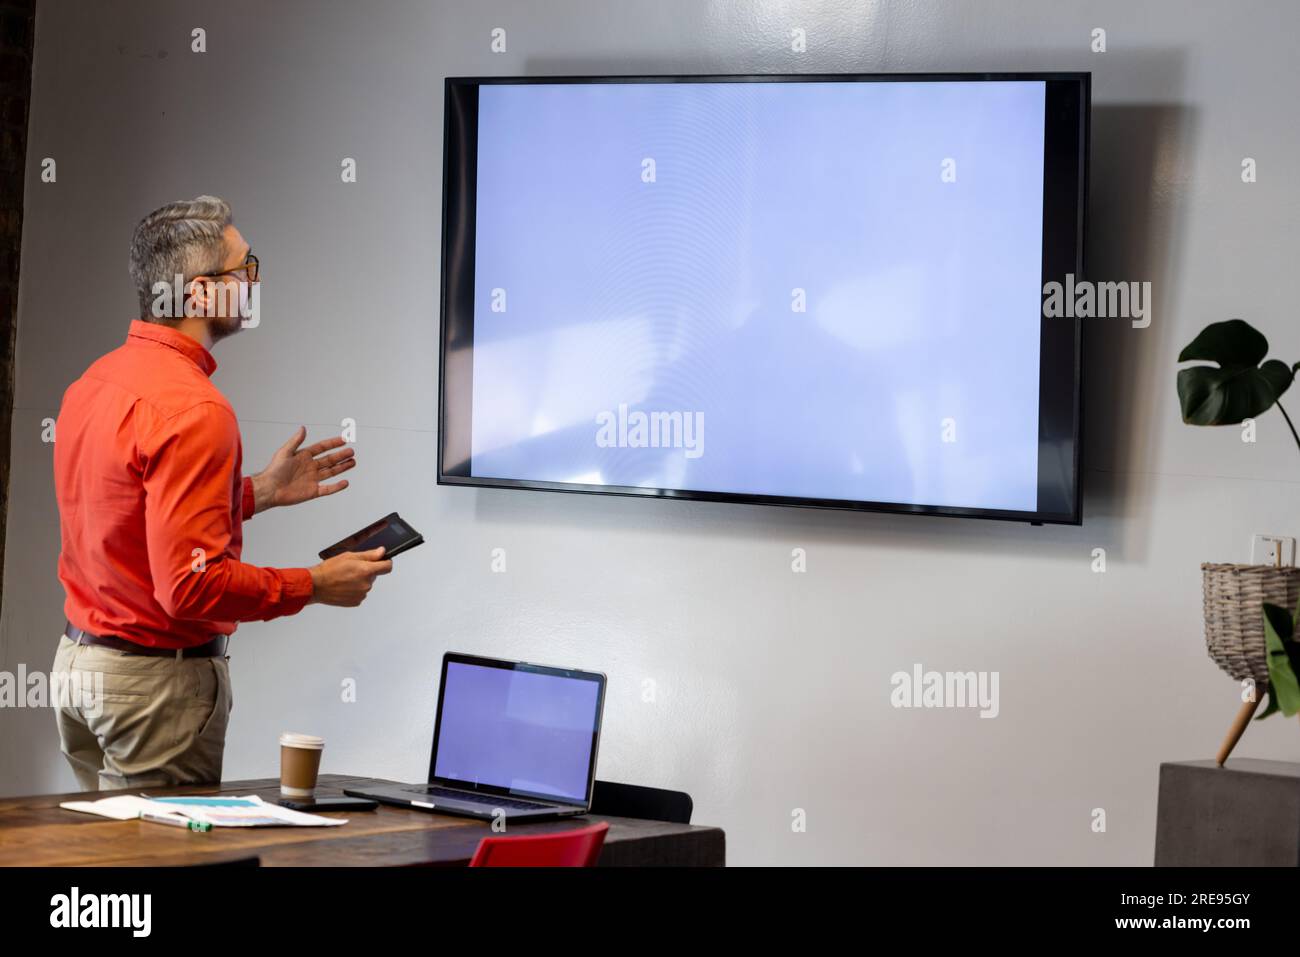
(1245, 814)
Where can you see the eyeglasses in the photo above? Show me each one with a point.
(252, 268)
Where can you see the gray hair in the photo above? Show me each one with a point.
(185, 238)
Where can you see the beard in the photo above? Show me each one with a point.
(239, 310)
(223, 327)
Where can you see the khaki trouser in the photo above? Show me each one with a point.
(158, 721)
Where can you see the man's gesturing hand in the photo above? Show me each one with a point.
(295, 474)
(346, 579)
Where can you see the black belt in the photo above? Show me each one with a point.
(215, 648)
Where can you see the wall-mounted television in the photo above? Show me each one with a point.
(805, 290)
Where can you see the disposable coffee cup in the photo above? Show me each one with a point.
(299, 764)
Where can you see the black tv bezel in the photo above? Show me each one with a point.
(1065, 194)
(459, 658)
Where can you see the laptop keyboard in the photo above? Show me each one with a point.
(487, 800)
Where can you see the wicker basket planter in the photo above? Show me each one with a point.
(1234, 614)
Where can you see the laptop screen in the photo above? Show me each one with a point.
(525, 730)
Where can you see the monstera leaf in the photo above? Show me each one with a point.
(1283, 661)
(1239, 387)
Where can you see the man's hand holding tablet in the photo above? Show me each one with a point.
(346, 579)
(350, 566)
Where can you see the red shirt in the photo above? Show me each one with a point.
(147, 475)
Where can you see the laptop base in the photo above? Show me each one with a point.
(410, 795)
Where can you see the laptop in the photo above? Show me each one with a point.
(511, 739)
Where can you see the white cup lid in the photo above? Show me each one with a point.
(291, 739)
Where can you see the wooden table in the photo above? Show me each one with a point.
(35, 831)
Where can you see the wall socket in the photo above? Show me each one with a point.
(1264, 550)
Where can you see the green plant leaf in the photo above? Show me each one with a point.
(1234, 344)
(1284, 689)
(1280, 619)
(1239, 387)
(1284, 627)
(1270, 707)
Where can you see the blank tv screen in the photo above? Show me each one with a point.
(792, 292)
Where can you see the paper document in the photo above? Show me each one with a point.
(240, 811)
(124, 808)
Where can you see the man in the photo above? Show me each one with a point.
(151, 502)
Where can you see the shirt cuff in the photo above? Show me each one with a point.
(296, 589)
(249, 503)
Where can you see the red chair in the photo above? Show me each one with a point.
(578, 848)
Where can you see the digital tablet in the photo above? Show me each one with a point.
(391, 531)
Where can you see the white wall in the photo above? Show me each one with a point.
(773, 688)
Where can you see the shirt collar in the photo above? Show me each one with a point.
(175, 339)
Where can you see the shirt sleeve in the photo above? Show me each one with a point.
(189, 470)
(248, 500)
